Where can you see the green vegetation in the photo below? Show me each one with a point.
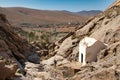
(31, 36)
(37, 36)
(44, 39)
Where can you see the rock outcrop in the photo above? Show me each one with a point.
(12, 43)
(14, 51)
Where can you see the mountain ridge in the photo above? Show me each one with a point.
(23, 15)
(89, 13)
(35, 16)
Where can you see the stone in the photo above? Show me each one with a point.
(34, 58)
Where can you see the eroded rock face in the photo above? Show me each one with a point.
(14, 51)
(9, 40)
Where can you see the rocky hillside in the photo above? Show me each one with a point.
(14, 51)
(64, 53)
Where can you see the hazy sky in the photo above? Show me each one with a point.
(70, 5)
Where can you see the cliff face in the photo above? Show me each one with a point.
(11, 42)
(104, 27)
(13, 50)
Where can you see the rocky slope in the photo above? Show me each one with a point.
(64, 53)
(14, 51)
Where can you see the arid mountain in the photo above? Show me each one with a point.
(21, 16)
(89, 13)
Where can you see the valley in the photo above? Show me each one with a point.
(56, 24)
(45, 45)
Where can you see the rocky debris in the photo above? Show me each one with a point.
(41, 50)
(56, 60)
(105, 74)
(63, 72)
(35, 72)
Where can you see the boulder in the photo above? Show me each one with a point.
(34, 58)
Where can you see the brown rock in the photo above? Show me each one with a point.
(7, 71)
(12, 44)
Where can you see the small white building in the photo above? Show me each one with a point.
(88, 49)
